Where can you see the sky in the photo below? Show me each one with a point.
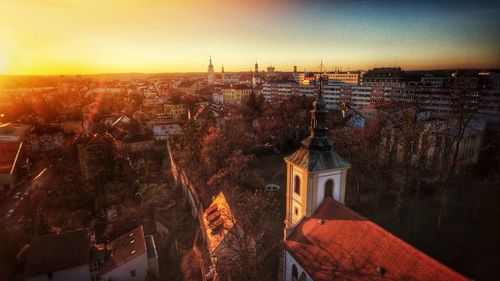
(113, 36)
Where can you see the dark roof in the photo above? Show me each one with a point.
(56, 252)
(186, 83)
(347, 246)
(9, 155)
(384, 72)
(316, 160)
(46, 129)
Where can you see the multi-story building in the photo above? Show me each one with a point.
(334, 93)
(352, 78)
(384, 77)
(45, 138)
(12, 143)
(74, 255)
(280, 88)
(236, 94)
(175, 109)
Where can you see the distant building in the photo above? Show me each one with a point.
(189, 87)
(217, 98)
(45, 138)
(236, 94)
(176, 110)
(12, 148)
(257, 78)
(353, 78)
(384, 77)
(95, 155)
(162, 129)
(270, 72)
(211, 73)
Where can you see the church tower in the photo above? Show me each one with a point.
(223, 75)
(211, 73)
(256, 80)
(314, 171)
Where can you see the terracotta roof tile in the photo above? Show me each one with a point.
(348, 246)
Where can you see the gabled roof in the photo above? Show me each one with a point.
(218, 220)
(124, 248)
(317, 160)
(347, 246)
(51, 253)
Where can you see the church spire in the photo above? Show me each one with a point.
(318, 138)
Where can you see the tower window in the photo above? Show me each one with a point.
(296, 185)
(329, 188)
(296, 211)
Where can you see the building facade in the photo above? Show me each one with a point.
(324, 239)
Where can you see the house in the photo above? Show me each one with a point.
(12, 143)
(74, 255)
(95, 155)
(45, 138)
(188, 87)
(59, 257)
(236, 94)
(223, 234)
(176, 110)
(126, 258)
(163, 129)
(326, 240)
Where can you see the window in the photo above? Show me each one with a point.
(329, 188)
(132, 273)
(296, 211)
(295, 273)
(296, 185)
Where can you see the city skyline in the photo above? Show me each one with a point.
(52, 37)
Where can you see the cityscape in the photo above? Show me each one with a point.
(249, 140)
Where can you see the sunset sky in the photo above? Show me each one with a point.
(104, 36)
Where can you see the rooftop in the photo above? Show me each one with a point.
(124, 248)
(317, 160)
(9, 154)
(347, 246)
(218, 220)
(56, 252)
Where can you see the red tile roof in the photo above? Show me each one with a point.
(348, 246)
(124, 249)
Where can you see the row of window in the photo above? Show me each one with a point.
(329, 184)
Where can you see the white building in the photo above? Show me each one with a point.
(325, 240)
(211, 72)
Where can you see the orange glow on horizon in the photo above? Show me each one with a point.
(73, 37)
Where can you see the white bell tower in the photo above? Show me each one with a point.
(314, 171)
